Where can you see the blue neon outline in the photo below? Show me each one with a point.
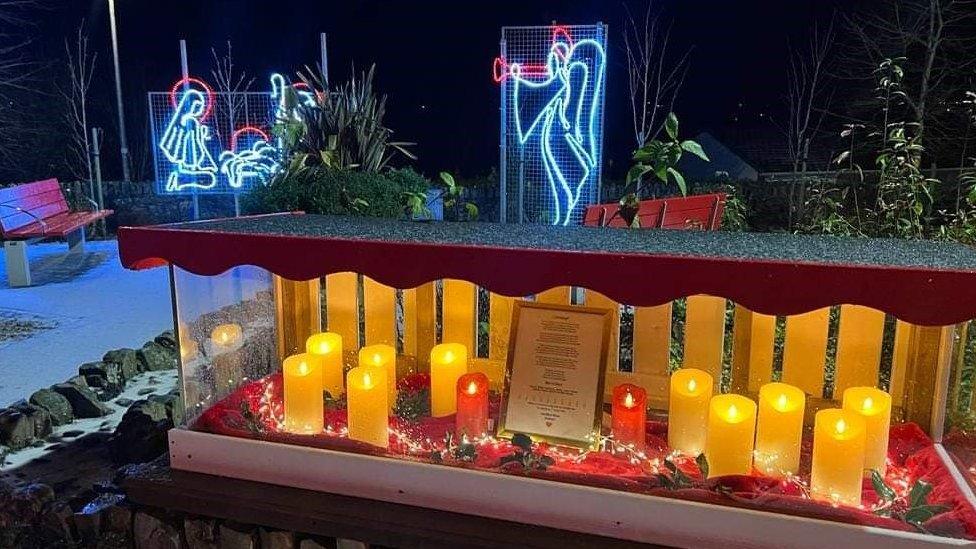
(171, 144)
(257, 161)
(560, 64)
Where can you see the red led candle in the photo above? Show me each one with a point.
(472, 405)
(629, 415)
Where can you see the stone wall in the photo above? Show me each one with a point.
(136, 203)
(33, 516)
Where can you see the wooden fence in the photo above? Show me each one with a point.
(822, 352)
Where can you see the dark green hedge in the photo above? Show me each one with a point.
(319, 190)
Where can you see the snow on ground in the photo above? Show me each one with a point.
(80, 306)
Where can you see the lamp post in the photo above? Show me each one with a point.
(123, 146)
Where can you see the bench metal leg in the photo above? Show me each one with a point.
(18, 268)
(76, 241)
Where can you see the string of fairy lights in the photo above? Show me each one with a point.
(899, 479)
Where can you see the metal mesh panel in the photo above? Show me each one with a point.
(193, 157)
(552, 81)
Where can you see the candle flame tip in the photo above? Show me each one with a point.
(867, 404)
(840, 426)
(692, 385)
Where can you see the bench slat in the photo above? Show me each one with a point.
(18, 192)
(43, 199)
(34, 202)
(59, 226)
(62, 224)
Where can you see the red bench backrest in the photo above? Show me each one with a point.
(702, 212)
(43, 199)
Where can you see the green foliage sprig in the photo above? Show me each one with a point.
(676, 479)
(416, 204)
(659, 157)
(913, 509)
(524, 455)
(460, 451)
(343, 129)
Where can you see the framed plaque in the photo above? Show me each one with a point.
(557, 355)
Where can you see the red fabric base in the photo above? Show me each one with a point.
(911, 454)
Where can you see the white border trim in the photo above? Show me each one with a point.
(571, 507)
(957, 475)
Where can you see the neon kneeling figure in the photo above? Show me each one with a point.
(185, 144)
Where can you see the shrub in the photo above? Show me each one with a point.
(323, 190)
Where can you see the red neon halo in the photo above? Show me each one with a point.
(206, 88)
(244, 129)
(558, 30)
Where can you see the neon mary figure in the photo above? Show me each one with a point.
(184, 144)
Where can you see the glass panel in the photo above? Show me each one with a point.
(226, 328)
(960, 418)
(826, 414)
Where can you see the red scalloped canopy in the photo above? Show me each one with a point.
(928, 283)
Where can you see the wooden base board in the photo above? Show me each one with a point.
(583, 509)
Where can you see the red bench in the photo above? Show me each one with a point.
(34, 211)
(702, 212)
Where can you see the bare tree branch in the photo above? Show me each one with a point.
(806, 99)
(654, 76)
(229, 85)
(16, 72)
(81, 68)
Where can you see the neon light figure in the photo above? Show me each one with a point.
(250, 157)
(303, 96)
(564, 132)
(184, 143)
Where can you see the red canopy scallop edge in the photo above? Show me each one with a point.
(919, 295)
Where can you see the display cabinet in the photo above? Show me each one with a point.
(753, 389)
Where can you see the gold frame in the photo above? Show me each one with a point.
(594, 439)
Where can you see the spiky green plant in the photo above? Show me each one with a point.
(344, 128)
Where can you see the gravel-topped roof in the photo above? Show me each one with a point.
(717, 244)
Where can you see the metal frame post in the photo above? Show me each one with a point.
(502, 144)
(123, 143)
(185, 71)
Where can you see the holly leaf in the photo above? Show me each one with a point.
(671, 125)
(666, 481)
(702, 462)
(522, 441)
(917, 516)
(509, 459)
(694, 148)
(919, 494)
(671, 466)
(883, 490)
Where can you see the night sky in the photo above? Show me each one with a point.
(434, 58)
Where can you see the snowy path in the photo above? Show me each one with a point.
(84, 305)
